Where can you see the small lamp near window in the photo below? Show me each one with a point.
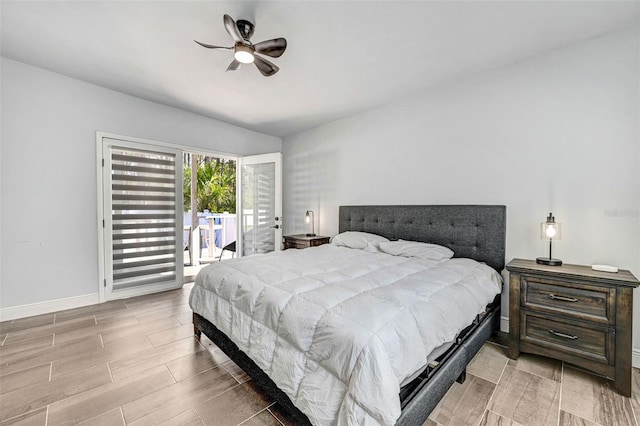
(309, 218)
(551, 230)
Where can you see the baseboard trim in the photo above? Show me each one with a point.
(22, 311)
(635, 358)
(504, 324)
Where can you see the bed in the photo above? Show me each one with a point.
(276, 317)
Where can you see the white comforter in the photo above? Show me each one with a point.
(339, 329)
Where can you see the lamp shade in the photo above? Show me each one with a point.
(550, 229)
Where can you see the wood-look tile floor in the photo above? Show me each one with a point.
(136, 362)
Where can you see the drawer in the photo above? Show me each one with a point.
(593, 342)
(319, 242)
(296, 245)
(577, 300)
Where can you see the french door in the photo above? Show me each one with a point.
(142, 230)
(260, 204)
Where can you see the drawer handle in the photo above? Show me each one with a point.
(563, 298)
(566, 336)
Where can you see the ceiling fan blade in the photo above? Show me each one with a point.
(234, 65)
(274, 48)
(232, 29)
(210, 46)
(265, 67)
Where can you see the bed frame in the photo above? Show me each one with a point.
(473, 231)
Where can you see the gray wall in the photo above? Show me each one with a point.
(48, 173)
(557, 132)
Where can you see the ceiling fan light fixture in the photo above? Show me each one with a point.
(243, 54)
(244, 51)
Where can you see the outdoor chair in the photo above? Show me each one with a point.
(229, 247)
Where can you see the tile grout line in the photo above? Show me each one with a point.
(542, 377)
(230, 373)
(224, 391)
(198, 415)
(512, 421)
(274, 416)
(560, 402)
(124, 421)
(169, 371)
(560, 396)
(110, 375)
(497, 344)
(256, 414)
(486, 408)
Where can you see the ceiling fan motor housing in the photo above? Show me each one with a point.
(245, 28)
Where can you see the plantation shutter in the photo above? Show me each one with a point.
(143, 217)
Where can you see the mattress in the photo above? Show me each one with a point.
(339, 329)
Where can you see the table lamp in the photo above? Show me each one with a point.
(309, 218)
(549, 229)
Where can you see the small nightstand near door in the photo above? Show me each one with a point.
(301, 241)
(574, 314)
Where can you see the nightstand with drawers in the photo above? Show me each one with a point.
(301, 241)
(575, 314)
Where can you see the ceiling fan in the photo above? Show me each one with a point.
(244, 52)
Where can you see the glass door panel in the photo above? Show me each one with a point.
(260, 204)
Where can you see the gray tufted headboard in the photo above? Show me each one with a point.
(474, 231)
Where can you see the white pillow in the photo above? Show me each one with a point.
(359, 240)
(416, 249)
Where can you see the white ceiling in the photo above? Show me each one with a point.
(342, 57)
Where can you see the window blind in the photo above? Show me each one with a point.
(144, 220)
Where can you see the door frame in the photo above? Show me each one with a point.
(102, 263)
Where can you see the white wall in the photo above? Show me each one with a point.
(557, 132)
(48, 174)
